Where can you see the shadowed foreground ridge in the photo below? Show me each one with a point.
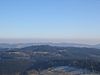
(50, 60)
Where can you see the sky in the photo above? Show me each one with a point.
(50, 20)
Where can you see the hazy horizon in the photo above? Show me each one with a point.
(42, 40)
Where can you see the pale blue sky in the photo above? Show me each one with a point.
(50, 19)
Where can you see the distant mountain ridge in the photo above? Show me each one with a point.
(21, 45)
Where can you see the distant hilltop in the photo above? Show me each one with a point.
(21, 45)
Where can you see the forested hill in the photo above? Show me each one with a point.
(18, 61)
